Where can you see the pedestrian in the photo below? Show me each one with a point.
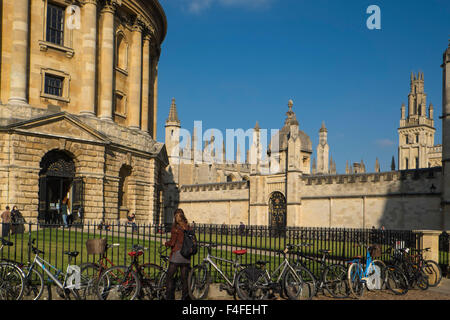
(132, 221)
(6, 222)
(65, 211)
(17, 220)
(242, 228)
(176, 260)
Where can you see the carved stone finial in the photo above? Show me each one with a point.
(290, 105)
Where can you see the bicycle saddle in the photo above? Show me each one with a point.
(240, 252)
(72, 254)
(7, 243)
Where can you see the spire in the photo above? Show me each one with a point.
(314, 170)
(347, 169)
(323, 128)
(257, 126)
(393, 164)
(173, 115)
(377, 165)
(291, 118)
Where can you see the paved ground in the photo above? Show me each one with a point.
(442, 292)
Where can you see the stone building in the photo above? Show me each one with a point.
(301, 192)
(416, 148)
(78, 106)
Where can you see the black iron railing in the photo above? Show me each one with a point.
(261, 242)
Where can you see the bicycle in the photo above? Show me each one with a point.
(333, 277)
(67, 283)
(257, 283)
(200, 276)
(155, 277)
(430, 268)
(370, 275)
(124, 282)
(412, 270)
(11, 277)
(91, 271)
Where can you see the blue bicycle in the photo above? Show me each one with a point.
(370, 274)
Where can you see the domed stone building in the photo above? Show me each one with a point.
(78, 106)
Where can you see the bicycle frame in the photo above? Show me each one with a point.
(209, 259)
(369, 263)
(43, 263)
(284, 266)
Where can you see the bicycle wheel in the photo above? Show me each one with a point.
(422, 281)
(90, 273)
(252, 284)
(335, 281)
(356, 285)
(299, 285)
(151, 277)
(396, 280)
(118, 283)
(198, 282)
(33, 284)
(11, 282)
(433, 271)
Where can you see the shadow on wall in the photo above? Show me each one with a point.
(413, 201)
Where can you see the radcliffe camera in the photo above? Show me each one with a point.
(212, 150)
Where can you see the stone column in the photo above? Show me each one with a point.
(430, 239)
(89, 57)
(106, 79)
(19, 53)
(155, 96)
(145, 116)
(154, 53)
(135, 83)
(446, 138)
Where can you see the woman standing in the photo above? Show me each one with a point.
(176, 260)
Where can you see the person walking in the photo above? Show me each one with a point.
(17, 221)
(132, 222)
(64, 211)
(176, 260)
(6, 222)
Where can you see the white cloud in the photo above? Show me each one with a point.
(199, 6)
(384, 143)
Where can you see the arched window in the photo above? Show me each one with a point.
(124, 177)
(121, 51)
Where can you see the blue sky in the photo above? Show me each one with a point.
(230, 63)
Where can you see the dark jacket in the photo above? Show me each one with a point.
(176, 239)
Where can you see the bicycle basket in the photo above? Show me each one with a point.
(96, 246)
(375, 251)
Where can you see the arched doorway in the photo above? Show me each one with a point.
(56, 182)
(277, 213)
